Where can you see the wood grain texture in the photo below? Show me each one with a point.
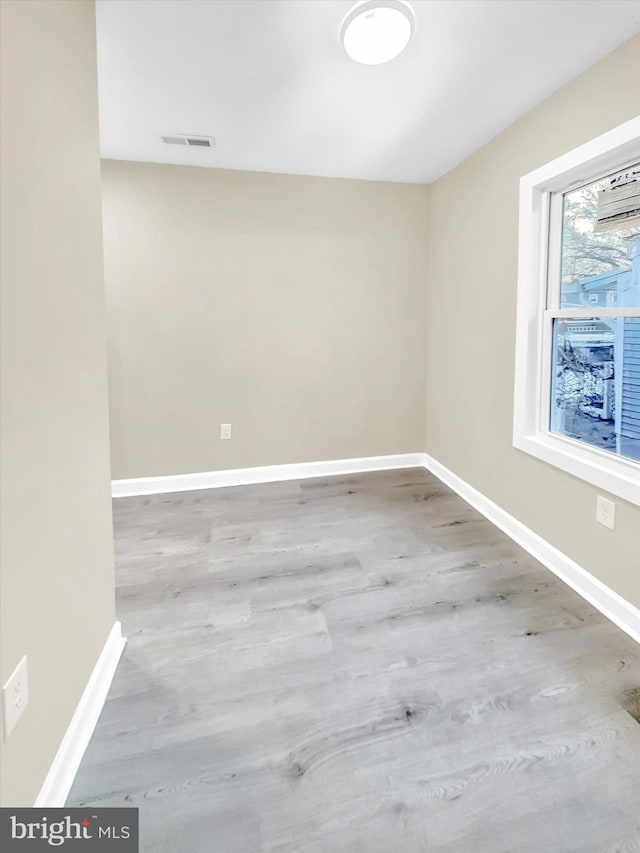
(358, 665)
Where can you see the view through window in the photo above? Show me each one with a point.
(595, 383)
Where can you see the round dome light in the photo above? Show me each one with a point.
(375, 31)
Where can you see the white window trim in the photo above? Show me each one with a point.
(606, 153)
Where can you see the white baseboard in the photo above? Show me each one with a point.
(263, 474)
(609, 603)
(56, 786)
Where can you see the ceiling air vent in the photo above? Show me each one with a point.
(194, 141)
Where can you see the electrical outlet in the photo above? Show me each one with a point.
(606, 512)
(225, 431)
(15, 697)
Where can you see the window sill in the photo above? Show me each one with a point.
(620, 477)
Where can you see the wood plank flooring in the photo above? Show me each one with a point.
(358, 665)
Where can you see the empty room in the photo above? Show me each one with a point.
(320, 426)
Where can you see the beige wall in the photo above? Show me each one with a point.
(471, 308)
(291, 307)
(57, 574)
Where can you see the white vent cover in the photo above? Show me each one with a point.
(189, 139)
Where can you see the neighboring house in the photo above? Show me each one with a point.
(615, 345)
(628, 388)
(599, 292)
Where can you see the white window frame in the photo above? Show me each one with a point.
(538, 248)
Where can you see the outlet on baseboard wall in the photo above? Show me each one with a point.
(606, 512)
(225, 432)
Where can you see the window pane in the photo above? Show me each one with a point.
(596, 383)
(600, 269)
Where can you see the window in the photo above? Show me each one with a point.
(577, 394)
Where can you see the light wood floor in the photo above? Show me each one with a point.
(358, 665)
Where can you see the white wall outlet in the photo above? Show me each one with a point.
(15, 697)
(606, 512)
(225, 431)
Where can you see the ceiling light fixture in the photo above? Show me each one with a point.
(375, 31)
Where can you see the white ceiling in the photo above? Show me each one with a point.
(269, 79)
